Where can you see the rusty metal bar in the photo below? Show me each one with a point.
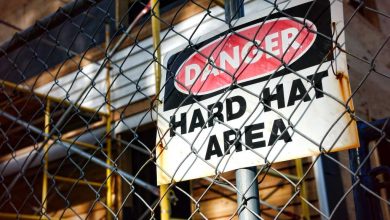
(78, 181)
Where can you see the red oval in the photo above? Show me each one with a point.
(217, 64)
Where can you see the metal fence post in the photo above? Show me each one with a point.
(322, 195)
(366, 206)
(248, 196)
(246, 178)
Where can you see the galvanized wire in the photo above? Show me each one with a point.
(69, 57)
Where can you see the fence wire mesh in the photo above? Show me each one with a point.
(81, 96)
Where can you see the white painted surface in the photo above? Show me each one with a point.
(136, 81)
(319, 124)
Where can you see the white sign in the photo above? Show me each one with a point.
(274, 89)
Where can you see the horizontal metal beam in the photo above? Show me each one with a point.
(78, 181)
(133, 146)
(291, 177)
(90, 157)
(79, 143)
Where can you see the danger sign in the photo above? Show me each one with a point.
(272, 88)
(240, 59)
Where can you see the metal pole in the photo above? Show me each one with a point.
(108, 129)
(164, 189)
(120, 202)
(155, 4)
(248, 193)
(46, 159)
(366, 205)
(321, 186)
(305, 211)
(78, 181)
(246, 178)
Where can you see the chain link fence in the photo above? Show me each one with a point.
(120, 109)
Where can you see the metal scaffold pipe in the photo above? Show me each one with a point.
(83, 93)
(109, 192)
(155, 5)
(78, 181)
(46, 159)
(303, 192)
(88, 156)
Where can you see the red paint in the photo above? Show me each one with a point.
(238, 58)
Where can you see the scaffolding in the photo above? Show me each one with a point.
(78, 147)
(101, 147)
